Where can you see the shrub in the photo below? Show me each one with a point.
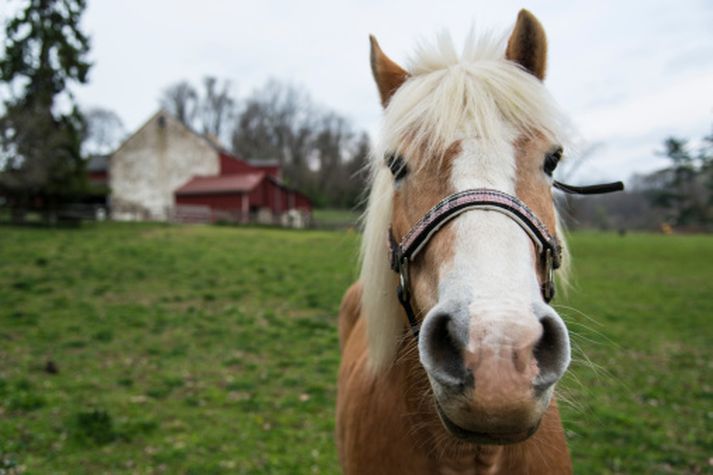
(94, 426)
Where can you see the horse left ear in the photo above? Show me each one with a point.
(527, 45)
(388, 75)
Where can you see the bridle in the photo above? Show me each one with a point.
(549, 251)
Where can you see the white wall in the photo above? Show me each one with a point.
(159, 158)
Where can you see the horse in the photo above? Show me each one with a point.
(450, 351)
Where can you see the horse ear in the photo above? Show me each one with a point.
(388, 75)
(527, 45)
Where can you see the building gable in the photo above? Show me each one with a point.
(152, 163)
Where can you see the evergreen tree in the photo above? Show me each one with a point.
(677, 195)
(684, 190)
(40, 157)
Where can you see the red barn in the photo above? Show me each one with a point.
(167, 171)
(241, 197)
(242, 192)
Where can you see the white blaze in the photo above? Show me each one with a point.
(492, 273)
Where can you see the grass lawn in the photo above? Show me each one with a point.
(330, 218)
(195, 349)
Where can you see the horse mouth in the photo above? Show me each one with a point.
(488, 438)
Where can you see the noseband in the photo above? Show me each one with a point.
(548, 247)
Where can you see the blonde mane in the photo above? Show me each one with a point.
(446, 97)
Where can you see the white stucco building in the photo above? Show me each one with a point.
(152, 163)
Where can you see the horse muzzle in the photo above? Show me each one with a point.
(493, 378)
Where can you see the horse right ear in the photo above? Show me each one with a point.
(388, 75)
(528, 44)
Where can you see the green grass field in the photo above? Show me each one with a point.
(214, 350)
(336, 218)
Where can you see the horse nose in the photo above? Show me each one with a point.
(443, 344)
(552, 351)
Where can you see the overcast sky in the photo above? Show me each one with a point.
(629, 73)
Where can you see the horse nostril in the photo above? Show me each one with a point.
(552, 352)
(441, 350)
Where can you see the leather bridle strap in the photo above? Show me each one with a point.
(401, 254)
(590, 189)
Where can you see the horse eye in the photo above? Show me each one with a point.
(397, 165)
(551, 160)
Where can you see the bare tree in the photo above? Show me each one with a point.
(216, 106)
(181, 100)
(276, 121)
(332, 145)
(353, 174)
(320, 151)
(104, 131)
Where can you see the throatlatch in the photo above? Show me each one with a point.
(549, 249)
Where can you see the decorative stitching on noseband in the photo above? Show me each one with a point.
(457, 203)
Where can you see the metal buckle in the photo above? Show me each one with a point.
(548, 286)
(404, 282)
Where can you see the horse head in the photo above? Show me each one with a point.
(482, 126)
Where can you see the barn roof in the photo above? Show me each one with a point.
(241, 183)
